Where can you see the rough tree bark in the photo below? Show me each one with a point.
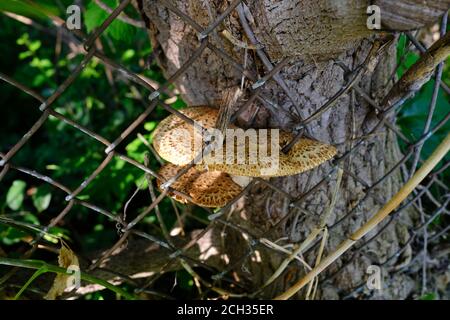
(313, 35)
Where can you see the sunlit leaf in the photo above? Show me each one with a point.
(16, 194)
(118, 30)
(149, 126)
(41, 199)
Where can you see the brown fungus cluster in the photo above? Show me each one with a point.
(209, 183)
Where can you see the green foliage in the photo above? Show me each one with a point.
(118, 30)
(43, 267)
(405, 58)
(428, 296)
(57, 149)
(27, 8)
(41, 198)
(414, 113)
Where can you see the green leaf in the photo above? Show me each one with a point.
(23, 40)
(25, 54)
(141, 182)
(94, 16)
(29, 8)
(149, 126)
(42, 198)
(135, 149)
(118, 30)
(128, 54)
(121, 31)
(31, 218)
(15, 195)
(35, 45)
(11, 236)
(428, 296)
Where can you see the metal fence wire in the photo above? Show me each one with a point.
(178, 254)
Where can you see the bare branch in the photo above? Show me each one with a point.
(419, 73)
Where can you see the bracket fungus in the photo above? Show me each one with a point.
(211, 189)
(304, 155)
(251, 153)
(174, 138)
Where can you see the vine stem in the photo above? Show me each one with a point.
(393, 203)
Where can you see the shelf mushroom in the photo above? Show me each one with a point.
(211, 189)
(175, 140)
(304, 155)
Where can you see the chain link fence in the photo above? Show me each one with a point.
(178, 254)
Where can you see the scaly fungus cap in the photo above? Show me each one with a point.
(306, 154)
(173, 138)
(206, 188)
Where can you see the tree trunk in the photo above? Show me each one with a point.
(313, 35)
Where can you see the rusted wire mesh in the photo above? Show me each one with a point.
(178, 253)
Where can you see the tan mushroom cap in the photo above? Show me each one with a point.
(306, 154)
(206, 188)
(174, 141)
(173, 138)
(169, 170)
